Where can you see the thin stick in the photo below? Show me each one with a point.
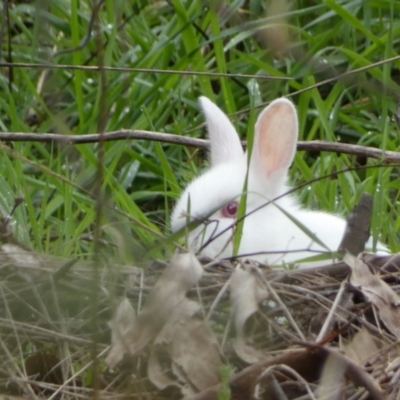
(332, 311)
(140, 70)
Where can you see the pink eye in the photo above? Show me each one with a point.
(230, 210)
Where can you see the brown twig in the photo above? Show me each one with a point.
(126, 134)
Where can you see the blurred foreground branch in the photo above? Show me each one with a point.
(142, 70)
(126, 134)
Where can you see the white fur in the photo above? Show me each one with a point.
(269, 236)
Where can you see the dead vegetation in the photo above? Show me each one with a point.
(326, 333)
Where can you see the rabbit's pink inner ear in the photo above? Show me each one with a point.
(224, 140)
(277, 130)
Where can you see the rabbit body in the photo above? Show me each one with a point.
(269, 235)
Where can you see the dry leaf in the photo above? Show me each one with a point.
(183, 272)
(376, 291)
(361, 347)
(121, 323)
(247, 353)
(183, 345)
(186, 347)
(247, 291)
(331, 381)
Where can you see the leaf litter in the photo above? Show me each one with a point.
(327, 333)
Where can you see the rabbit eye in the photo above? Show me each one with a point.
(230, 210)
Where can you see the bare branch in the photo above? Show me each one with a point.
(354, 149)
(126, 134)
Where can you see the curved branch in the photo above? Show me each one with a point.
(126, 134)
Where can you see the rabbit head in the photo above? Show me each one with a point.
(268, 235)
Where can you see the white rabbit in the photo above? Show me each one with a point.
(269, 235)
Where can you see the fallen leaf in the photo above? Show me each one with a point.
(183, 272)
(168, 319)
(361, 347)
(247, 353)
(331, 382)
(377, 292)
(247, 291)
(187, 347)
(121, 323)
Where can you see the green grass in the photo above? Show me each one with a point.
(142, 179)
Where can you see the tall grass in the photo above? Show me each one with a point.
(306, 43)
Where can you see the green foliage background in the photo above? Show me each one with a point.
(304, 41)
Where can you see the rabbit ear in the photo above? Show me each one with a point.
(225, 143)
(276, 137)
